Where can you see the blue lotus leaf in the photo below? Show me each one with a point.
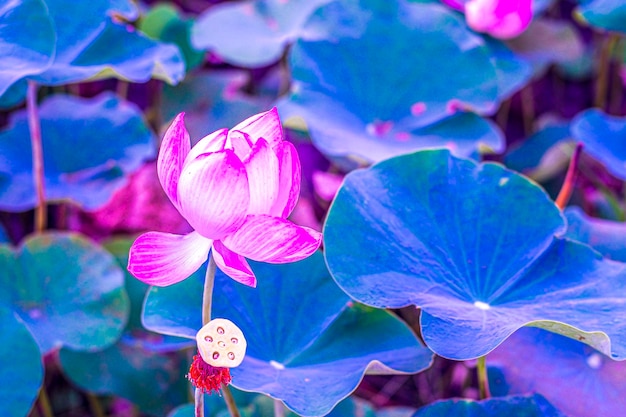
(463, 133)
(4, 238)
(164, 22)
(188, 410)
(577, 379)
(519, 406)
(78, 23)
(142, 366)
(68, 290)
(604, 137)
(396, 411)
(513, 71)
(337, 19)
(153, 381)
(85, 33)
(136, 337)
(606, 236)
(264, 406)
(135, 58)
(21, 367)
(14, 95)
(351, 407)
(604, 14)
(215, 406)
(474, 246)
(308, 344)
(252, 33)
(27, 40)
(377, 102)
(212, 101)
(536, 152)
(90, 45)
(108, 141)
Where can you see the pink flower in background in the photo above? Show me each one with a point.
(236, 189)
(327, 184)
(139, 205)
(502, 19)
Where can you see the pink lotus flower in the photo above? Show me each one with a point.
(236, 189)
(502, 19)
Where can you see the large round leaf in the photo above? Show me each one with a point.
(264, 406)
(68, 291)
(142, 366)
(153, 381)
(385, 92)
(541, 154)
(513, 71)
(212, 101)
(136, 338)
(21, 368)
(14, 95)
(473, 246)
(604, 14)
(518, 406)
(165, 23)
(606, 236)
(4, 238)
(215, 406)
(577, 379)
(604, 138)
(27, 40)
(135, 58)
(252, 33)
(90, 45)
(307, 344)
(90, 146)
(464, 133)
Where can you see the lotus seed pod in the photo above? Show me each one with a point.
(221, 343)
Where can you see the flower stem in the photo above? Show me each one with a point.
(602, 82)
(199, 403)
(617, 85)
(502, 117)
(570, 178)
(207, 294)
(483, 379)
(121, 89)
(230, 401)
(95, 406)
(44, 403)
(34, 125)
(207, 297)
(528, 108)
(207, 302)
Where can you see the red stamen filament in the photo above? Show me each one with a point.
(207, 378)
